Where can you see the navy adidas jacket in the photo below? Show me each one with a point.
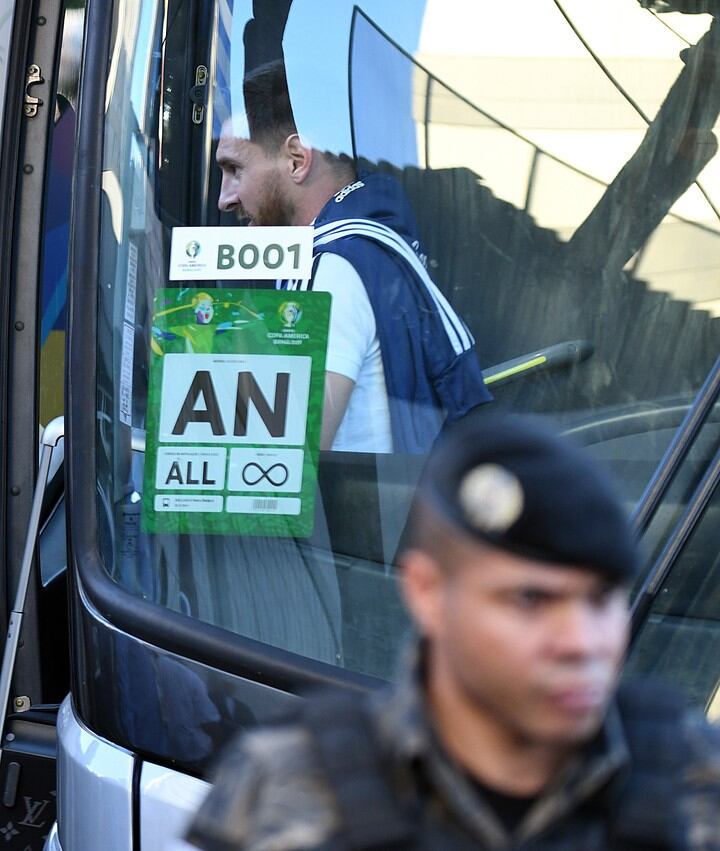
(431, 367)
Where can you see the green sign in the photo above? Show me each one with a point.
(234, 411)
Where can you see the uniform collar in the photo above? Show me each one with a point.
(406, 727)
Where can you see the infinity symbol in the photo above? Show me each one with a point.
(265, 474)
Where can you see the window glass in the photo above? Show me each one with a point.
(489, 185)
(56, 221)
(6, 18)
(54, 277)
(679, 641)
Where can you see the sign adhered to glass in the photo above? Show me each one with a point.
(234, 411)
(237, 254)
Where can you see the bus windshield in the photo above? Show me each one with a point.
(329, 230)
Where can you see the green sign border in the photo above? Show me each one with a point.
(249, 322)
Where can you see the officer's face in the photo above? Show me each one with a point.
(534, 649)
(252, 182)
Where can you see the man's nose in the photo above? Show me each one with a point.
(227, 200)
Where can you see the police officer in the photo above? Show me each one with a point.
(506, 728)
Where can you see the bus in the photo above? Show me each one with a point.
(188, 545)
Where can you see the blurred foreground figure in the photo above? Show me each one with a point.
(506, 728)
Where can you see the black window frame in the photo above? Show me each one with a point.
(90, 582)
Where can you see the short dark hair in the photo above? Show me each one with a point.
(270, 116)
(432, 533)
(267, 105)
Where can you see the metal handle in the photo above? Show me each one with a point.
(51, 436)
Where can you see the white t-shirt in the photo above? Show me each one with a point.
(354, 351)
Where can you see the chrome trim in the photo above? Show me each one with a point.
(51, 436)
(137, 440)
(94, 805)
(53, 432)
(52, 843)
(678, 449)
(168, 799)
(691, 516)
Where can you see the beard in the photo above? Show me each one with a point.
(274, 208)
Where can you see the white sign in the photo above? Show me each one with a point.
(266, 470)
(240, 253)
(262, 505)
(197, 504)
(200, 468)
(207, 398)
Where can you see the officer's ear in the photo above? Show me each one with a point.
(422, 581)
(299, 158)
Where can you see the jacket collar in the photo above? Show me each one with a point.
(407, 729)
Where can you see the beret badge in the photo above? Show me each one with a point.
(491, 498)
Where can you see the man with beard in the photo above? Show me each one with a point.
(400, 360)
(506, 728)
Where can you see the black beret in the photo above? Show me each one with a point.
(512, 482)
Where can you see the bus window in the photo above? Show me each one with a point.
(53, 293)
(6, 17)
(545, 211)
(678, 640)
(56, 224)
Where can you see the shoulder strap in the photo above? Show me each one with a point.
(646, 811)
(350, 754)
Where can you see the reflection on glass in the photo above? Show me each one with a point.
(680, 640)
(56, 223)
(463, 186)
(5, 33)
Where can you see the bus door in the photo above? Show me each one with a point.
(227, 554)
(40, 45)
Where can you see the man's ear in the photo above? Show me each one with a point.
(299, 158)
(422, 581)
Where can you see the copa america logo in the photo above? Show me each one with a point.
(192, 249)
(290, 313)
